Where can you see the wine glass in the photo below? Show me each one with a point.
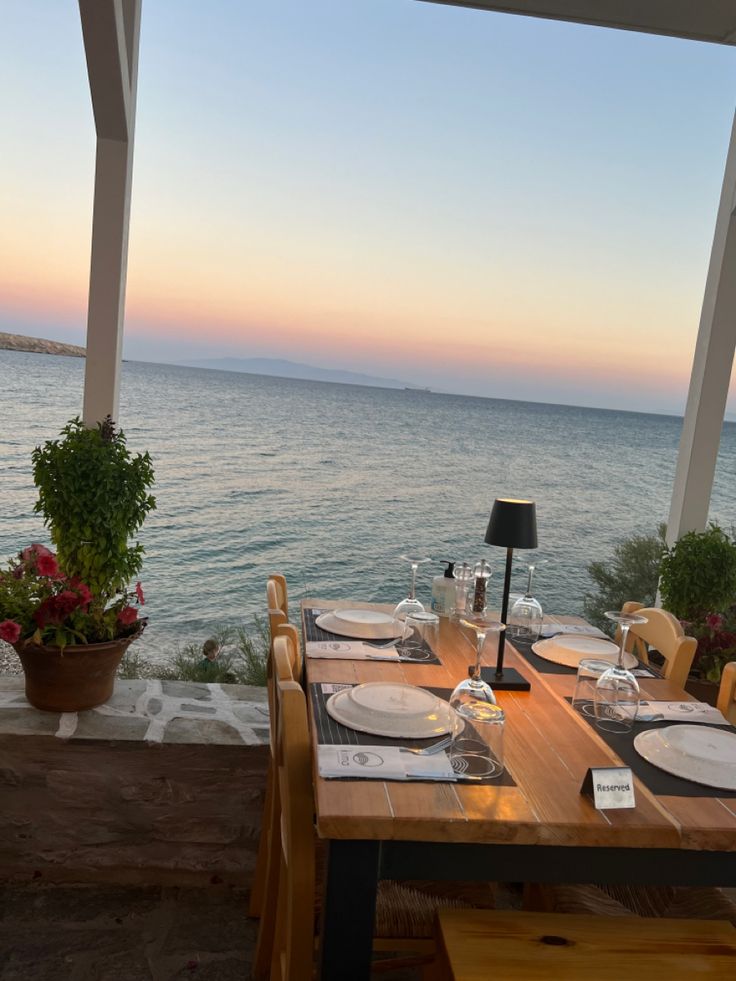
(477, 742)
(617, 690)
(411, 604)
(525, 619)
(625, 621)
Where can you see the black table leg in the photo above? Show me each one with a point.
(348, 910)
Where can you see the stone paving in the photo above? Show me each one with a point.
(92, 933)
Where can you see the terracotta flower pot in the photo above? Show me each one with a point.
(74, 678)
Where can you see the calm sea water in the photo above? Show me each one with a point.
(330, 483)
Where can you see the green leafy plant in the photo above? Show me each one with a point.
(698, 574)
(93, 495)
(631, 573)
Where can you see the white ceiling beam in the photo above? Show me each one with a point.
(111, 31)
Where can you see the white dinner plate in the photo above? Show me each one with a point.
(362, 624)
(571, 649)
(391, 709)
(698, 753)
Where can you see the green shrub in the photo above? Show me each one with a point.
(631, 573)
(698, 574)
(242, 660)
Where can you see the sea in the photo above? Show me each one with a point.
(330, 484)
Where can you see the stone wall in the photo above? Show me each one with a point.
(162, 785)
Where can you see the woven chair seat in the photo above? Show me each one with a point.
(681, 902)
(405, 912)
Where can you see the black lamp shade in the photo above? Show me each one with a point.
(513, 524)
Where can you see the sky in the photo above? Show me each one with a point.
(475, 202)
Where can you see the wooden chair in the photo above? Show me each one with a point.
(277, 594)
(403, 915)
(278, 623)
(474, 945)
(283, 661)
(279, 628)
(727, 693)
(663, 632)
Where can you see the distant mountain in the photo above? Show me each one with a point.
(36, 345)
(293, 369)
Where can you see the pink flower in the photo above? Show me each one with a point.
(47, 565)
(139, 594)
(35, 551)
(128, 615)
(10, 631)
(714, 621)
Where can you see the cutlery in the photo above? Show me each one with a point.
(429, 750)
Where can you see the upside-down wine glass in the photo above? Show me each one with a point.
(617, 690)
(477, 745)
(411, 604)
(526, 617)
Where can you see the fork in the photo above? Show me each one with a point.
(429, 750)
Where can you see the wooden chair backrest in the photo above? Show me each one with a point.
(294, 934)
(277, 594)
(281, 662)
(663, 632)
(727, 692)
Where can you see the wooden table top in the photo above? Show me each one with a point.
(548, 749)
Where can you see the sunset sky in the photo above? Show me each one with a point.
(480, 203)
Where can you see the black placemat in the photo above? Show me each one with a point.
(332, 733)
(549, 667)
(660, 783)
(422, 655)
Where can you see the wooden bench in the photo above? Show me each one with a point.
(475, 945)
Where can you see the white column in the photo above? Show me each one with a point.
(111, 30)
(711, 372)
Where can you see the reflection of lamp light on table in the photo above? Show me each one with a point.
(513, 524)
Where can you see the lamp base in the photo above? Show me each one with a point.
(510, 680)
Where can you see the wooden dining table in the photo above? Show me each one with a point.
(541, 828)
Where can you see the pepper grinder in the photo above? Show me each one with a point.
(482, 573)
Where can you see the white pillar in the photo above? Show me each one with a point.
(111, 30)
(711, 372)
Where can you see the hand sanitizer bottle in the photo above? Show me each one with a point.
(443, 592)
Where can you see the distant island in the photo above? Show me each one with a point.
(293, 369)
(37, 345)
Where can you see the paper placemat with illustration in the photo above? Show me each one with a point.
(422, 654)
(332, 733)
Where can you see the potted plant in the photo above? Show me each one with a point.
(698, 585)
(71, 615)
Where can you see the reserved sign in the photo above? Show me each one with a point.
(611, 787)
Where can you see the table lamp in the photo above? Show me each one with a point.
(513, 524)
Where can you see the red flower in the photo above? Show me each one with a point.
(46, 565)
(714, 621)
(56, 609)
(82, 590)
(128, 615)
(10, 631)
(139, 594)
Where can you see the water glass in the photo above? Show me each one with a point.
(476, 751)
(419, 629)
(616, 700)
(589, 672)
